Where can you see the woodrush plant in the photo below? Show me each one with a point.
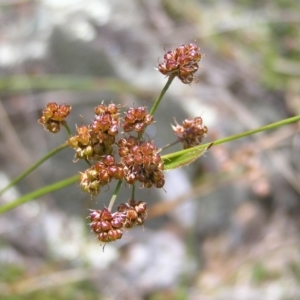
(116, 148)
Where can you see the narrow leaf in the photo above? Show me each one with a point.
(38, 193)
(184, 157)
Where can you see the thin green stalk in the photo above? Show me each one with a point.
(133, 191)
(38, 193)
(114, 197)
(169, 145)
(236, 136)
(65, 124)
(33, 167)
(253, 131)
(160, 96)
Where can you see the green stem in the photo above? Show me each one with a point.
(38, 193)
(236, 136)
(169, 145)
(65, 124)
(162, 93)
(33, 167)
(114, 197)
(253, 131)
(133, 191)
(86, 160)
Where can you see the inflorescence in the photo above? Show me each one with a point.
(181, 62)
(110, 226)
(116, 148)
(191, 133)
(139, 160)
(54, 116)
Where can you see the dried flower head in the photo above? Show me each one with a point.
(135, 212)
(110, 226)
(94, 141)
(53, 116)
(106, 225)
(100, 174)
(181, 62)
(191, 133)
(137, 119)
(141, 162)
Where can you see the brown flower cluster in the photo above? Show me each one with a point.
(53, 116)
(181, 62)
(137, 119)
(191, 133)
(100, 174)
(110, 226)
(116, 148)
(94, 141)
(139, 161)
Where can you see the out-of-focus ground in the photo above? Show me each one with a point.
(225, 227)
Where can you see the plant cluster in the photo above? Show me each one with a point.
(116, 148)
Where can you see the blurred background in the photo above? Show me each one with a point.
(226, 226)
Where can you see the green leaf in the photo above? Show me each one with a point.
(184, 157)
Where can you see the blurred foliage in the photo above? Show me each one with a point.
(9, 273)
(260, 274)
(12, 274)
(180, 293)
(262, 34)
(277, 45)
(294, 267)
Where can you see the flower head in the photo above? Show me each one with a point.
(94, 141)
(142, 162)
(100, 174)
(53, 116)
(191, 133)
(110, 226)
(137, 119)
(181, 62)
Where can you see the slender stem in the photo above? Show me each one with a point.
(236, 136)
(169, 145)
(132, 193)
(160, 96)
(114, 197)
(140, 135)
(87, 162)
(253, 131)
(33, 167)
(65, 124)
(38, 193)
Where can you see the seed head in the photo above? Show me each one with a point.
(53, 116)
(96, 140)
(137, 119)
(141, 162)
(191, 133)
(101, 174)
(181, 62)
(110, 226)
